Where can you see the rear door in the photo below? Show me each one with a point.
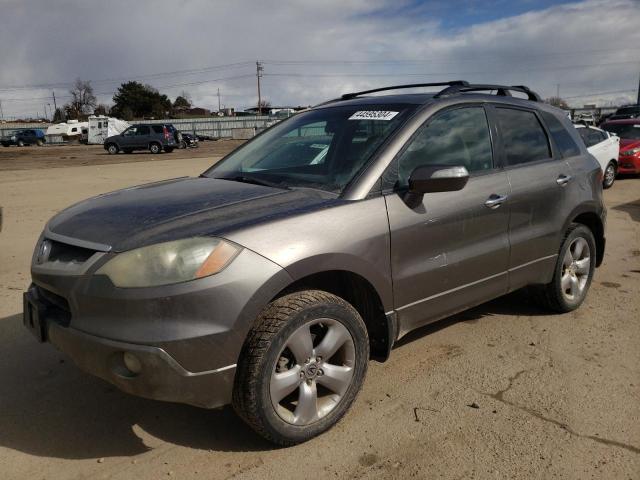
(142, 137)
(451, 251)
(539, 178)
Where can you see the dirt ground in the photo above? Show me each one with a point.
(54, 156)
(502, 391)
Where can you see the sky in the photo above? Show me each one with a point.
(588, 51)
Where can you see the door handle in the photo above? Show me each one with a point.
(563, 179)
(494, 201)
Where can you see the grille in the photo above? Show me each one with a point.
(63, 252)
(57, 306)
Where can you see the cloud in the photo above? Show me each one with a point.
(343, 46)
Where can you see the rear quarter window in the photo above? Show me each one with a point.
(562, 138)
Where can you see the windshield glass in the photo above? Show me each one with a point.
(321, 149)
(628, 130)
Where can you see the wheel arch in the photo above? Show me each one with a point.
(362, 295)
(592, 220)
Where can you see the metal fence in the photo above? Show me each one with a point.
(214, 127)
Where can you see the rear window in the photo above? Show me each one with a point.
(562, 138)
(523, 138)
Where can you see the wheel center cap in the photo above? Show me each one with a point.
(311, 370)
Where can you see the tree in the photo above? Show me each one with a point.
(83, 100)
(101, 109)
(182, 101)
(135, 100)
(557, 102)
(58, 115)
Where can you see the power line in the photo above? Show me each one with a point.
(129, 78)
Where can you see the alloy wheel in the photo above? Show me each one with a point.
(313, 371)
(576, 266)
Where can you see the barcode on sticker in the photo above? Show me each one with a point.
(373, 115)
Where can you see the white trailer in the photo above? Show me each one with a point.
(69, 130)
(101, 127)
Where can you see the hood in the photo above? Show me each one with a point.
(628, 143)
(179, 208)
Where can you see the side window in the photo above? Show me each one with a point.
(454, 137)
(560, 135)
(74, 129)
(157, 128)
(523, 137)
(143, 130)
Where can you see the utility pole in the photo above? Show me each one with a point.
(54, 101)
(259, 70)
(218, 99)
(1, 113)
(638, 99)
(557, 90)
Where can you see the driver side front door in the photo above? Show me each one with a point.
(451, 252)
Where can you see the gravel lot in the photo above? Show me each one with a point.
(501, 391)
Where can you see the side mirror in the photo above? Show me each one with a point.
(435, 178)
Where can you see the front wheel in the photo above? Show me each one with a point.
(609, 175)
(301, 366)
(112, 148)
(573, 272)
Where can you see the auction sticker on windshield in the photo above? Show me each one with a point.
(373, 115)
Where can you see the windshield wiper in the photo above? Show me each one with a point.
(255, 181)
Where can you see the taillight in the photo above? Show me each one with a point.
(165, 132)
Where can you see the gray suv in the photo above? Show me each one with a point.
(153, 137)
(270, 280)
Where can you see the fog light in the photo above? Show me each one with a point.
(132, 362)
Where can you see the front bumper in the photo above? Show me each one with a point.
(628, 164)
(186, 337)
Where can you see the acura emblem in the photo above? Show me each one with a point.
(43, 252)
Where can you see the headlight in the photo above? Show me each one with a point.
(628, 153)
(170, 262)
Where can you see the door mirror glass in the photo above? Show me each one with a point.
(437, 178)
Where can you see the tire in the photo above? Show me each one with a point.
(6, 144)
(39, 142)
(609, 175)
(267, 360)
(572, 275)
(168, 149)
(183, 145)
(155, 148)
(20, 143)
(112, 148)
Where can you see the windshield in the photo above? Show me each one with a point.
(322, 149)
(624, 130)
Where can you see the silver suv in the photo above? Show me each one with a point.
(270, 280)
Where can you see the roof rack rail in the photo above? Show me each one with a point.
(452, 84)
(501, 90)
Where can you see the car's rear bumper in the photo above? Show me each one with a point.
(160, 376)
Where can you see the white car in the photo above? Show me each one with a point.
(605, 147)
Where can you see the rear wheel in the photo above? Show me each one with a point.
(112, 148)
(39, 142)
(183, 144)
(573, 273)
(155, 148)
(301, 367)
(20, 143)
(609, 175)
